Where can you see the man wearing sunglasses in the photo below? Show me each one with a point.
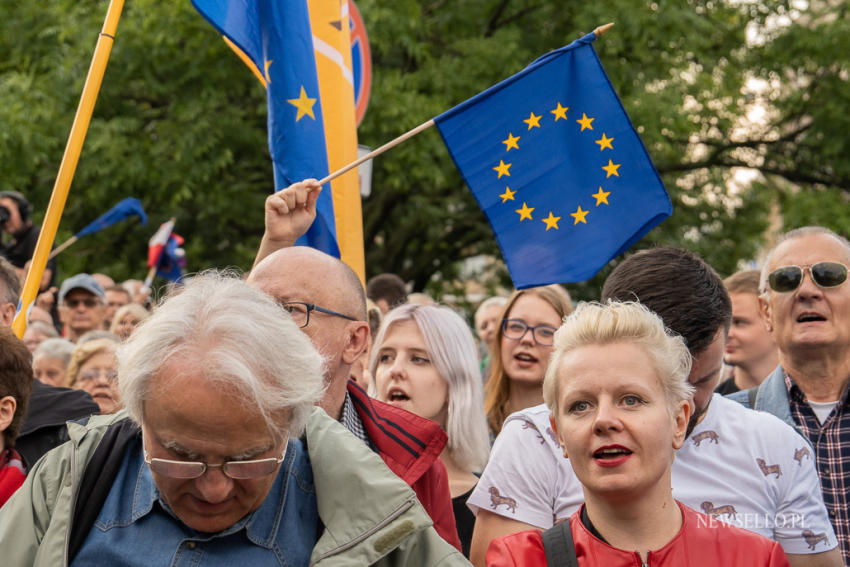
(81, 305)
(220, 459)
(805, 301)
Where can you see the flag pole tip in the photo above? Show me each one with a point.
(603, 28)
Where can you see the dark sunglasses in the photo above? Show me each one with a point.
(824, 274)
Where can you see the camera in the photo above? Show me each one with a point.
(5, 214)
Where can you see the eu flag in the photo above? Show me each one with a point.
(275, 35)
(555, 164)
(124, 209)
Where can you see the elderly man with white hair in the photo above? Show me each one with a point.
(805, 302)
(220, 458)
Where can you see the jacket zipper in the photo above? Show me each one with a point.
(73, 500)
(395, 514)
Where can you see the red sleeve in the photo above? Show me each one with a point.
(521, 548)
(777, 556)
(432, 489)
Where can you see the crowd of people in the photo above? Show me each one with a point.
(291, 416)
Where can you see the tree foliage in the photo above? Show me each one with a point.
(714, 88)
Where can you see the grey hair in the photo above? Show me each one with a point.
(59, 349)
(797, 233)
(495, 301)
(238, 338)
(623, 322)
(41, 327)
(451, 347)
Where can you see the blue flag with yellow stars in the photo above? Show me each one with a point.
(275, 39)
(557, 167)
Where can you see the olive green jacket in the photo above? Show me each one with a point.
(370, 516)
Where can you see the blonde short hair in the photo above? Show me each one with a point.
(84, 351)
(623, 322)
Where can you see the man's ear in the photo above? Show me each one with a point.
(766, 313)
(358, 338)
(7, 313)
(7, 411)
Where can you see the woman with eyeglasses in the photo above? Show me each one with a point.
(93, 368)
(523, 344)
(619, 399)
(424, 360)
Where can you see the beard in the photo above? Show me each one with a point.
(695, 419)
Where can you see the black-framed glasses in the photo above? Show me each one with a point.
(515, 329)
(300, 312)
(237, 470)
(824, 274)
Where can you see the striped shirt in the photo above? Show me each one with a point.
(831, 441)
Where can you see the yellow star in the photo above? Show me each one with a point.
(533, 121)
(503, 169)
(611, 169)
(551, 221)
(601, 196)
(560, 112)
(585, 122)
(508, 195)
(524, 212)
(511, 142)
(605, 142)
(267, 65)
(579, 216)
(303, 104)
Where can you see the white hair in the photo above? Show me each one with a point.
(495, 301)
(57, 348)
(451, 347)
(623, 322)
(790, 235)
(237, 337)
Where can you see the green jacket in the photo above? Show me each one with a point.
(371, 517)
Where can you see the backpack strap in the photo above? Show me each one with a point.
(559, 546)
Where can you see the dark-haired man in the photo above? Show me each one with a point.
(736, 466)
(15, 211)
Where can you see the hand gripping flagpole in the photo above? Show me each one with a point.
(69, 163)
(410, 133)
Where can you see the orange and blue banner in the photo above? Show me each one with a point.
(555, 164)
(301, 51)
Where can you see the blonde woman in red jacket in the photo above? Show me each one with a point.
(617, 390)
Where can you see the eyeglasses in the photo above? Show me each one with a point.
(237, 470)
(824, 274)
(94, 373)
(89, 302)
(300, 312)
(515, 329)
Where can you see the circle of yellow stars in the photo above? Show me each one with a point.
(512, 143)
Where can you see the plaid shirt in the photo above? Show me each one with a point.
(351, 421)
(831, 441)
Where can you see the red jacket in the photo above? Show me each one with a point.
(12, 474)
(702, 542)
(410, 446)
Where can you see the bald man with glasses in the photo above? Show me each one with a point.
(805, 302)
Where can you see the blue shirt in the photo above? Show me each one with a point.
(136, 527)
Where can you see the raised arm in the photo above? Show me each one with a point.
(288, 215)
